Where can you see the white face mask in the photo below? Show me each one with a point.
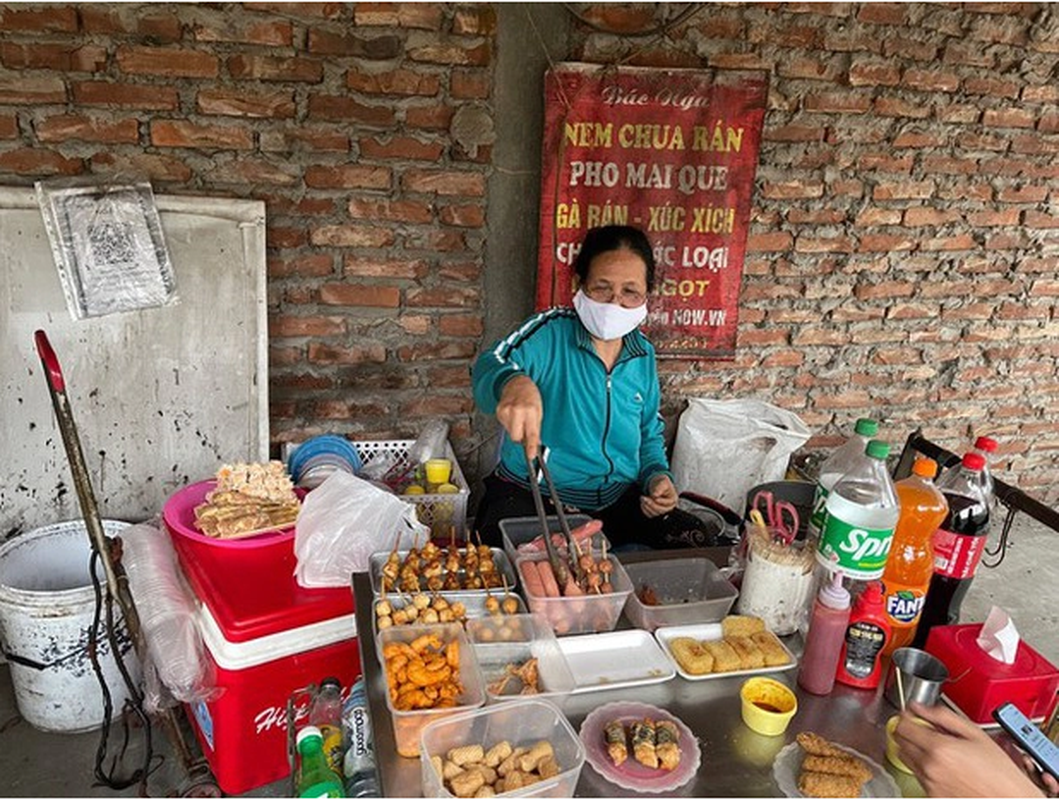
(607, 321)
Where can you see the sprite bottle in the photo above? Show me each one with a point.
(859, 518)
(845, 458)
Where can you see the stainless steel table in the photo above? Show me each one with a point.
(735, 761)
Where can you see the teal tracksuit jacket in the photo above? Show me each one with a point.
(602, 432)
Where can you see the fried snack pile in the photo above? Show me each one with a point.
(420, 610)
(424, 673)
(745, 644)
(829, 771)
(654, 743)
(248, 498)
(435, 570)
(473, 771)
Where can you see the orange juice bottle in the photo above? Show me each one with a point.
(910, 564)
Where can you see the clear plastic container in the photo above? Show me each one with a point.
(500, 642)
(583, 614)
(407, 725)
(522, 530)
(522, 723)
(845, 458)
(473, 603)
(689, 590)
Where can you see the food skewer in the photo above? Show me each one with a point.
(562, 576)
(571, 544)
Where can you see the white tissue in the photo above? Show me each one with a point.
(998, 636)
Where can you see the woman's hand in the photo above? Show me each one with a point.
(520, 411)
(661, 497)
(956, 758)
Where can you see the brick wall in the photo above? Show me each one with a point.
(903, 251)
(366, 128)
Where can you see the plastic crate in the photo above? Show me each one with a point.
(440, 511)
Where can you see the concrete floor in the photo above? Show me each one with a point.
(36, 764)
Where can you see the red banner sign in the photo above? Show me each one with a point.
(673, 152)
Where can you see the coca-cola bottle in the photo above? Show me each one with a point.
(958, 545)
(986, 447)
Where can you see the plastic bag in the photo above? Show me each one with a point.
(167, 611)
(344, 521)
(108, 245)
(725, 447)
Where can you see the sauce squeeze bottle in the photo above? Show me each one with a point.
(823, 644)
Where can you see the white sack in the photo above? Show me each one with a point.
(726, 447)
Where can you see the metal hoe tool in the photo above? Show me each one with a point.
(101, 552)
(562, 575)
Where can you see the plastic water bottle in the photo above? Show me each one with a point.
(325, 712)
(838, 464)
(358, 766)
(860, 516)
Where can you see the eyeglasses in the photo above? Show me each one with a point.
(628, 298)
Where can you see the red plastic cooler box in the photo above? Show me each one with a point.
(267, 638)
(978, 683)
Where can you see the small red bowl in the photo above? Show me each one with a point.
(179, 517)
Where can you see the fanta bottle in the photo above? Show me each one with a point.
(910, 564)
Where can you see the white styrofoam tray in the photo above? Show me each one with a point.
(710, 632)
(615, 660)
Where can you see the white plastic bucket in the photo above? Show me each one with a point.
(47, 605)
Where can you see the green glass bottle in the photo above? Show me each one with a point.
(315, 777)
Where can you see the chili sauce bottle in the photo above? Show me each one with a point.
(860, 663)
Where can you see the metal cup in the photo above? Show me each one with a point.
(922, 676)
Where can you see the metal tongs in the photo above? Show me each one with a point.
(559, 567)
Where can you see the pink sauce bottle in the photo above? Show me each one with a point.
(823, 643)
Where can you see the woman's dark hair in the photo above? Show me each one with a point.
(614, 237)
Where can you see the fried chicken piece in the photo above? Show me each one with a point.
(691, 655)
(770, 647)
(817, 745)
(737, 625)
(819, 784)
(847, 766)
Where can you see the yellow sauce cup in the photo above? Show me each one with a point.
(768, 706)
(437, 470)
(893, 749)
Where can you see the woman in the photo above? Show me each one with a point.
(579, 387)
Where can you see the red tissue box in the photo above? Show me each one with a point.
(978, 683)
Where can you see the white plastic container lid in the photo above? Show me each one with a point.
(242, 655)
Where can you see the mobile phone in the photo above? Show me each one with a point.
(1029, 737)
